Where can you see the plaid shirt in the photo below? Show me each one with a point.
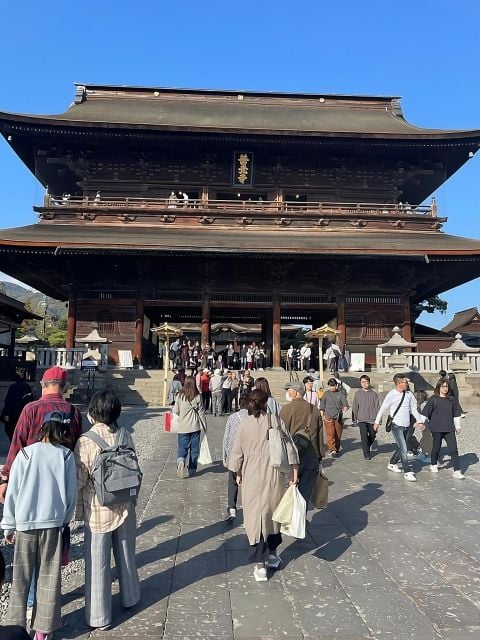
(97, 518)
(31, 420)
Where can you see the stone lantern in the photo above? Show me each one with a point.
(96, 347)
(397, 361)
(459, 365)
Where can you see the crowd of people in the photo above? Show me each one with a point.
(189, 354)
(51, 472)
(50, 477)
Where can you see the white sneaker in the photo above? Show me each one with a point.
(231, 515)
(394, 467)
(180, 468)
(410, 454)
(459, 475)
(260, 574)
(434, 468)
(274, 561)
(410, 476)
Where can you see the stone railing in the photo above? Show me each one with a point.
(61, 357)
(429, 362)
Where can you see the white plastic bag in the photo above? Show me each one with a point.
(292, 513)
(205, 456)
(284, 510)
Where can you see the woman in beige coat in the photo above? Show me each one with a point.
(262, 485)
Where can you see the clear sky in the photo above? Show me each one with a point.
(427, 51)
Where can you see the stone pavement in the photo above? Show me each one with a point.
(387, 560)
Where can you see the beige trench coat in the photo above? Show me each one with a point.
(262, 485)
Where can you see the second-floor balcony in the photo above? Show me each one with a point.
(174, 210)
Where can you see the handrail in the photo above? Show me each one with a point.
(428, 361)
(103, 205)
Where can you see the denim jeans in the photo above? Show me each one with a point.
(189, 444)
(32, 590)
(400, 436)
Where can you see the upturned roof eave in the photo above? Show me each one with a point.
(340, 243)
(231, 92)
(57, 121)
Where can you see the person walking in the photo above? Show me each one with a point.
(365, 407)
(228, 439)
(401, 404)
(18, 395)
(188, 407)
(216, 382)
(304, 423)
(262, 485)
(310, 395)
(39, 503)
(106, 527)
(205, 389)
(53, 383)
(332, 406)
(272, 405)
(441, 410)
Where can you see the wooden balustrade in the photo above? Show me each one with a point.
(114, 206)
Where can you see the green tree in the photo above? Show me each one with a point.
(430, 305)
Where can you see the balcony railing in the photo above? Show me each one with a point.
(128, 209)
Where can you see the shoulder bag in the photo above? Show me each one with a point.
(277, 439)
(388, 424)
(201, 417)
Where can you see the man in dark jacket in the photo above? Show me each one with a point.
(304, 423)
(18, 395)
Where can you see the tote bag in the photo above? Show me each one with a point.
(205, 456)
(277, 440)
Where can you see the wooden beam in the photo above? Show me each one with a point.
(71, 322)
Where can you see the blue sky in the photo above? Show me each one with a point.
(427, 51)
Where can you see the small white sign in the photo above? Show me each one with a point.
(357, 362)
(126, 359)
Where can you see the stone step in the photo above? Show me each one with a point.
(140, 387)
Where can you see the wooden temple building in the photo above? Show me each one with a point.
(193, 206)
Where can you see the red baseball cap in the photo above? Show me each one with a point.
(55, 373)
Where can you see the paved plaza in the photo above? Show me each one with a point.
(387, 560)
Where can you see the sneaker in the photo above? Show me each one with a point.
(180, 468)
(434, 468)
(410, 476)
(394, 467)
(459, 475)
(39, 635)
(260, 574)
(410, 454)
(335, 454)
(231, 515)
(274, 561)
(367, 457)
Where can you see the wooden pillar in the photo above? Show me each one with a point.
(342, 336)
(139, 316)
(276, 333)
(11, 346)
(71, 322)
(406, 323)
(205, 321)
